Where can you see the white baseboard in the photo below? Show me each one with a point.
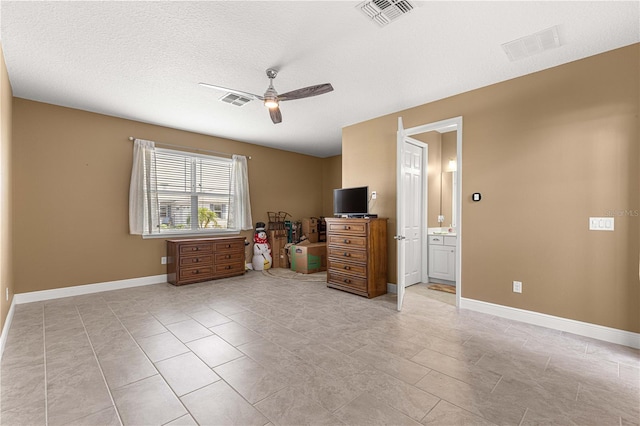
(594, 331)
(57, 293)
(7, 326)
(607, 334)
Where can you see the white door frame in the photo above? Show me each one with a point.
(449, 125)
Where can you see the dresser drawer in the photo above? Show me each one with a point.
(347, 227)
(194, 274)
(229, 268)
(358, 269)
(193, 261)
(228, 246)
(195, 248)
(347, 241)
(342, 280)
(347, 253)
(228, 257)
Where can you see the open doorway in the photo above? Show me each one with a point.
(434, 244)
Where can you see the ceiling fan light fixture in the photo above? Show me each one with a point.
(271, 103)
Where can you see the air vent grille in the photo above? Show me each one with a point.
(383, 12)
(233, 99)
(532, 44)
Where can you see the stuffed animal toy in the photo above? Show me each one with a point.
(261, 251)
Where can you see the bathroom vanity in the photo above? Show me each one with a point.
(442, 258)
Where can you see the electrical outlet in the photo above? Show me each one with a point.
(374, 195)
(517, 287)
(163, 260)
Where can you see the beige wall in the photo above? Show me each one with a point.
(6, 268)
(71, 178)
(331, 179)
(546, 151)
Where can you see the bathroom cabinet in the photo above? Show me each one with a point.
(442, 257)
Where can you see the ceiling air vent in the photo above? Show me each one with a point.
(532, 44)
(233, 99)
(383, 12)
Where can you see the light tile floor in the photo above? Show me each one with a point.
(256, 350)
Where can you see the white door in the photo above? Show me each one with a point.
(411, 210)
(400, 215)
(412, 165)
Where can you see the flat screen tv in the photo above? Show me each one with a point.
(351, 202)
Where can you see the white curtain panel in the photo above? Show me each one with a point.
(241, 206)
(143, 191)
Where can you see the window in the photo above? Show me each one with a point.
(193, 191)
(176, 192)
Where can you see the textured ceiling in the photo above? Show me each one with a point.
(143, 60)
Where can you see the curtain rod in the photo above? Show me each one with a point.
(131, 138)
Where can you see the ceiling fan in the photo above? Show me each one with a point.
(271, 98)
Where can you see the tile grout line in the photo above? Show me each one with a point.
(95, 355)
(44, 354)
(151, 362)
(496, 385)
(523, 416)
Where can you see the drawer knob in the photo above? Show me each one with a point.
(195, 249)
(197, 260)
(347, 280)
(227, 267)
(347, 255)
(197, 271)
(347, 241)
(348, 268)
(228, 256)
(347, 227)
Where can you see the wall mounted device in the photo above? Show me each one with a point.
(476, 196)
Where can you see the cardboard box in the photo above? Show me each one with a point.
(277, 240)
(310, 228)
(284, 258)
(309, 258)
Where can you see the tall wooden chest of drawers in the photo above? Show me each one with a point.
(357, 255)
(204, 259)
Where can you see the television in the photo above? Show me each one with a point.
(351, 202)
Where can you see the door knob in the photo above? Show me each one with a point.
(399, 237)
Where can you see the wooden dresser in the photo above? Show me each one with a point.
(204, 259)
(357, 255)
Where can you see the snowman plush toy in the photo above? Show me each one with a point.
(261, 251)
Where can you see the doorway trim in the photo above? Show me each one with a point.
(449, 124)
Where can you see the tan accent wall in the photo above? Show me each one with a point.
(6, 268)
(331, 179)
(71, 177)
(547, 151)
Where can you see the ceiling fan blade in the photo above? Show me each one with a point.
(276, 115)
(237, 92)
(306, 92)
